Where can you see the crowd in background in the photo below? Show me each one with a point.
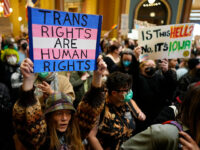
(126, 98)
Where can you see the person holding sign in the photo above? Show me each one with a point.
(60, 126)
(63, 41)
(150, 87)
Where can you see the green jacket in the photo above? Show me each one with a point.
(155, 137)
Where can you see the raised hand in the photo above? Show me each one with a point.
(28, 75)
(141, 116)
(164, 65)
(137, 52)
(102, 67)
(46, 88)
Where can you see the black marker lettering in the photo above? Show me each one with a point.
(73, 43)
(57, 33)
(87, 62)
(59, 66)
(88, 33)
(67, 18)
(47, 54)
(75, 18)
(84, 17)
(59, 43)
(46, 66)
(44, 12)
(44, 29)
(56, 16)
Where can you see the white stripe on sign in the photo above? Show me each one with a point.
(63, 43)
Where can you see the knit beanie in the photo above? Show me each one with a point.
(7, 52)
(58, 101)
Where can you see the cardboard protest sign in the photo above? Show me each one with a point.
(170, 41)
(63, 41)
(124, 24)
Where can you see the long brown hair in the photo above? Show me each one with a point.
(190, 111)
(72, 136)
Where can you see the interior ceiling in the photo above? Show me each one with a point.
(196, 4)
(195, 12)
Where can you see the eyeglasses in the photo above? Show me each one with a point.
(124, 90)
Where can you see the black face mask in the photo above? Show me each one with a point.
(150, 71)
(24, 46)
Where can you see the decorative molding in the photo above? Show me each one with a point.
(179, 12)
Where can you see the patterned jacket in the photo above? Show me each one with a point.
(117, 124)
(30, 124)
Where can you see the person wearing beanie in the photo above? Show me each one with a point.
(59, 126)
(10, 73)
(10, 76)
(11, 56)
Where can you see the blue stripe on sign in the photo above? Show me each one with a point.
(30, 34)
(44, 16)
(63, 65)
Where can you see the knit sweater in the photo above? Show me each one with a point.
(30, 124)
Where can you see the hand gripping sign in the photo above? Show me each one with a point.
(63, 41)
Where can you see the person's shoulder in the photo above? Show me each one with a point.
(62, 77)
(164, 131)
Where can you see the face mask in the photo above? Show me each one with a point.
(43, 74)
(15, 46)
(128, 96)
(150, 71)
(177, 66)
(12, 60)
(126, 63)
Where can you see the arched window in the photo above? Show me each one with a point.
(158, 13)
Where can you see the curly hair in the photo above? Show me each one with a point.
(118, 80)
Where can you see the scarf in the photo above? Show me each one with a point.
(52, 80)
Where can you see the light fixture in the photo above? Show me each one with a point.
(152, 14)
(151, 1)
(1, 7)
(162, 21)
(19, 19)
(11, 10)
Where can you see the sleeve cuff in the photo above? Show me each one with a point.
(27, 98)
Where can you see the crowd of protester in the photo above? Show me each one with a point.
(127, 103)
